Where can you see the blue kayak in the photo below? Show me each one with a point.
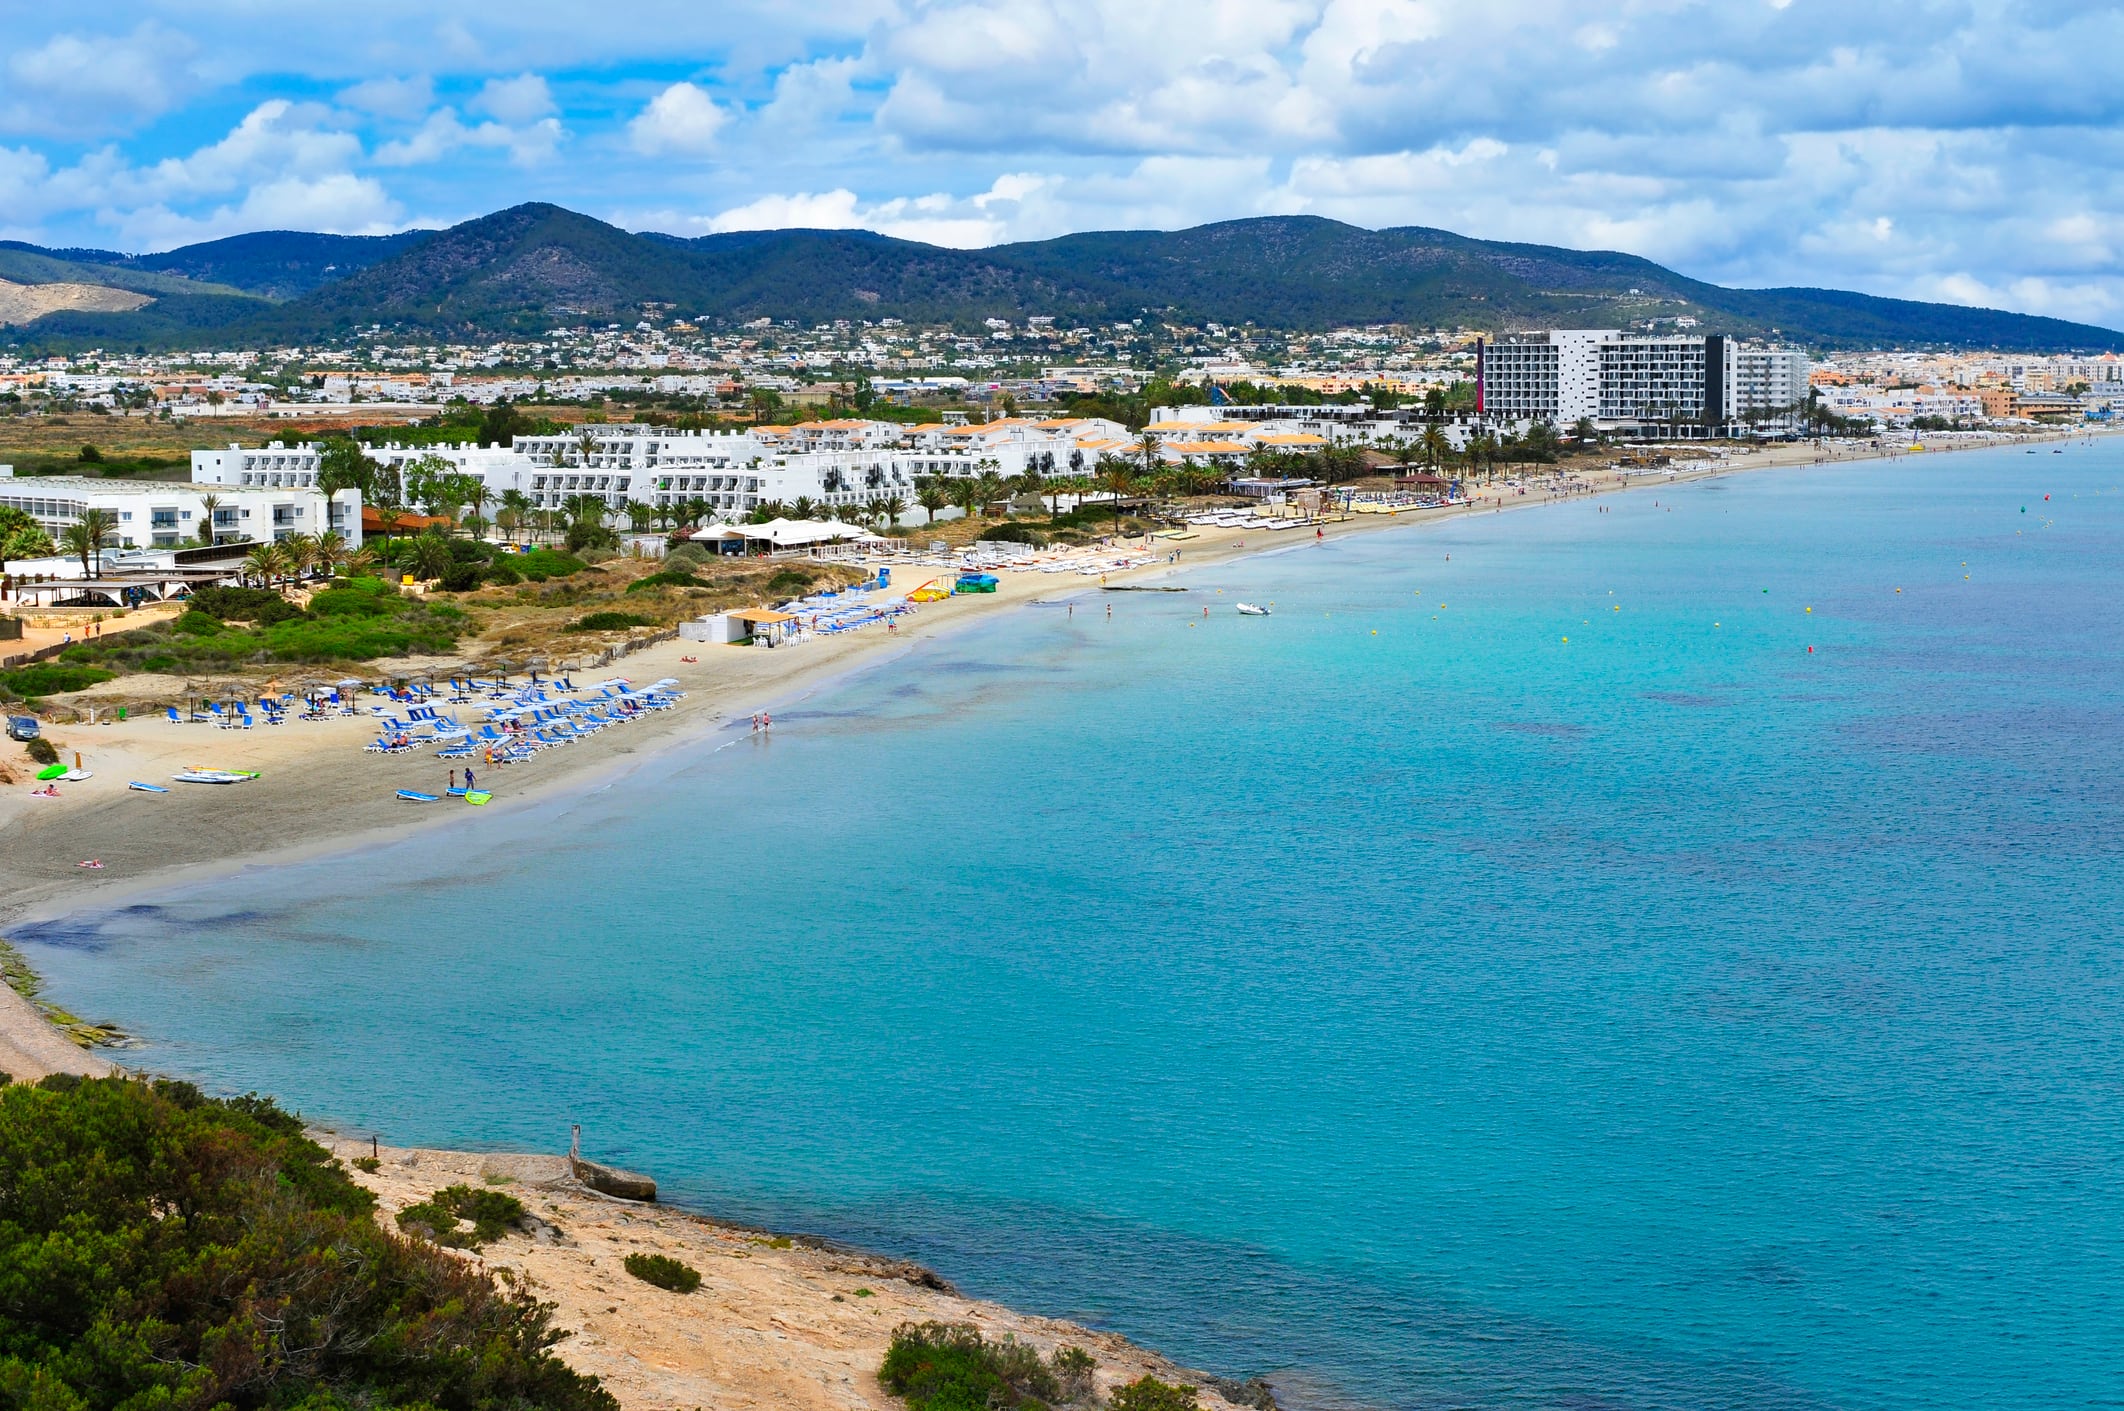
(416, 796)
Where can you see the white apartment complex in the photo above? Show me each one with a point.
(166, 515)
(830, 463)
(1613, 379)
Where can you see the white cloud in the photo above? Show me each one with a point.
(341, 203)
(518, 101)
(80, 85)
(403, 98)
(444, 134)
(276, 140)
(681, 121)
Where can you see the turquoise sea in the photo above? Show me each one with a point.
(1388, 996)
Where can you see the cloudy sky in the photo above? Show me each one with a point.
(1963, 150)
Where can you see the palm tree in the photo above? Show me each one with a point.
(639, 514)
(517, 503)
(891, 507)
(298, 553)
(428, 554)
(1435, 446)
(585, 447)
(330, 552)
(77, 540)
(1120, 478)
(966, 494)
(931, 497)
(804, 507)
(208, 504)
(989, 484)
(1149, 450)
(262, 563)
(86, 536)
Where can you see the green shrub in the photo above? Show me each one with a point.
(541, 564)
(502, 571)
(669, 578)
(1147, 1393)
(608, 622)
(1014, 534)
(687, 556)
(664, 1273)
(460, 578)
(258, 605)
(790, 580)
(350, 601)
(42, 750)
(47, 678)
(951, 1367)
(583, 536)
(197, 624)
(442, 1216)
(161, 1249)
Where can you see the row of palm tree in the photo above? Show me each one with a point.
(299, 556)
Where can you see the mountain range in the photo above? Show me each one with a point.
(533, 267)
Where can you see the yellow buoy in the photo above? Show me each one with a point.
(1567, 639)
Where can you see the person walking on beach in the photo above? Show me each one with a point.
(469, 785)
(453, 780)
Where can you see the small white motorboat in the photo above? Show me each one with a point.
(1252, 610)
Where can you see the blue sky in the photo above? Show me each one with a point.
(1931, 149)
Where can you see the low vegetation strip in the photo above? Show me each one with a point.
(664, 1272)
(952, 1367)
(162, 1249)
(358, 619)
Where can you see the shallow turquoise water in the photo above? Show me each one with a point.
(1452, 1016)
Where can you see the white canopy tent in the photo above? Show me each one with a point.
(783, 534)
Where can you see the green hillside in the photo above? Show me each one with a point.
(27, 264)
(279, 264)
(533, 267)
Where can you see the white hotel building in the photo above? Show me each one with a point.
(830, 463)
(153, 514)
(1618, 380)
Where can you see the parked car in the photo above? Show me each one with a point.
(22, 727)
